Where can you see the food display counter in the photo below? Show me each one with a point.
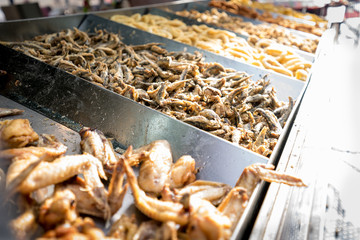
(230, 102)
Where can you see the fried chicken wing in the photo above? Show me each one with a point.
(252, 174)
(156, 164)
(59, 209)
(182, 172)
(157, 168)
(152, 207)
(24, 225)
(124, 228)
(16, 133)
(207, 222)
(207, 190)
(233, 205)
(4, 112)
(95, 143)
(61, 169)
(95, 200)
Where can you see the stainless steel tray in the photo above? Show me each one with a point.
(74, 102)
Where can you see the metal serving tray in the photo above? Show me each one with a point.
(75, 102)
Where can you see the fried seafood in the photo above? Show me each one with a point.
(254, 32)
(247, 11)
(179, 84)
(16, 133)
(221, 42)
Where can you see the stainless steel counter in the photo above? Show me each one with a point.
(322, 148)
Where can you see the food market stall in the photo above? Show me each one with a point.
(232, 101)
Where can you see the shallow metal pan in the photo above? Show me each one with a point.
(74, 102)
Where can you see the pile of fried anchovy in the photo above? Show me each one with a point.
(222, 101)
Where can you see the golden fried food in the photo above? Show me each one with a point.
(157, 168)
(247, 11)
(24, 225)
(9, 112)
(16, 133)
(185, 207)
(256, 172)
(95, 143)
(215, 40)
(151, 206)
(59, 209)
(282, 10)
(254, 32)
(59, 170)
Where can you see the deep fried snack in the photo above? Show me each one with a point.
(16, 133)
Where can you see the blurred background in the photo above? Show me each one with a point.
(22, 9)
